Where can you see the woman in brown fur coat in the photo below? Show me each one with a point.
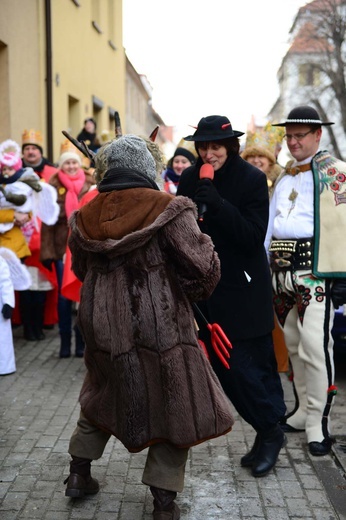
(143, 261)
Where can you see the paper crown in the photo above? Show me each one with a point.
(268, 137)
(188, 145)
(68, 147)
(32, 137)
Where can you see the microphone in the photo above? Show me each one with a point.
(206, 172)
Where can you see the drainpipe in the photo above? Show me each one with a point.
(49, 80)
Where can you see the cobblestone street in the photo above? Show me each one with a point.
(38, 411)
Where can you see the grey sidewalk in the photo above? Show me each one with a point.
(38, 411)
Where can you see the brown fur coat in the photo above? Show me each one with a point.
(143, 259)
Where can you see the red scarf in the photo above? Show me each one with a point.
(74, 185)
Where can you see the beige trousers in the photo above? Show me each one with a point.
(303, 307)
(164, 467)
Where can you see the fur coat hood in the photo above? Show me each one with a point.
(143, 260)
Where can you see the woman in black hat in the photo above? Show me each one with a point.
(236, 217)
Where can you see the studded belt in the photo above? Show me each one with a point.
(287, 254)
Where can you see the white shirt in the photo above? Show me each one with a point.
(291, 212)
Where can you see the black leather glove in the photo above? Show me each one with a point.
(207, 193)
(338, 292)
(47, 263)
(7, 311)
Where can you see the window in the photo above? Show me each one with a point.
(309, 75)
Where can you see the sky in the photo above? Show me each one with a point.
(204, 57)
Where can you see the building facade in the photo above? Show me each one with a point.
(301, 77)
(62, 61)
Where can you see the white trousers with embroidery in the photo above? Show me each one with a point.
(303, 306)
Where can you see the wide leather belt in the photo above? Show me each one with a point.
(291, 254)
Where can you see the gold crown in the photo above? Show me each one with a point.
(268, 137)
(67, 146)
(188, 145)
(32, 137)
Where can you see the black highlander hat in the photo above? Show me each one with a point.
(304, 115)
(213, 128)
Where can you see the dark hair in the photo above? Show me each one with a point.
(90, 119)
(231, 144)
(314, 128)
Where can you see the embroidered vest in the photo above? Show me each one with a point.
(329, 174)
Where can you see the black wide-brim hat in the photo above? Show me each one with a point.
(303, 115)
(213, 128)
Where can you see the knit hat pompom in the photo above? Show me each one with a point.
(10, 155)
(69, 155)
(128, 151)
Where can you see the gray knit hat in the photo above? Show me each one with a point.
(130, 151)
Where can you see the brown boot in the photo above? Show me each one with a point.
(80, 482)
(164, 506)
(78, 486)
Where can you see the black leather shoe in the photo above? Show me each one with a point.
(249, 458)
(268, 451)
(320, 448)
(78, 486)
(29, 336)
(289, 429)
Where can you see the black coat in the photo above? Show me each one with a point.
(242, 301)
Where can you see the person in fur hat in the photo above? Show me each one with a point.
(142, 261)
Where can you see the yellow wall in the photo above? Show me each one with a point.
(84, 65)
(21, 85)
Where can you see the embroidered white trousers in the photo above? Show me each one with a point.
(303, 307)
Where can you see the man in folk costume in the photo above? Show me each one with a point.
(305, 240)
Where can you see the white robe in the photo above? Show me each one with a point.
(7, 357)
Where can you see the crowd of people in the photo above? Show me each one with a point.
(36, 200)
(232, 238)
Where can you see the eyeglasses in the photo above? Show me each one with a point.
(297, 137)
